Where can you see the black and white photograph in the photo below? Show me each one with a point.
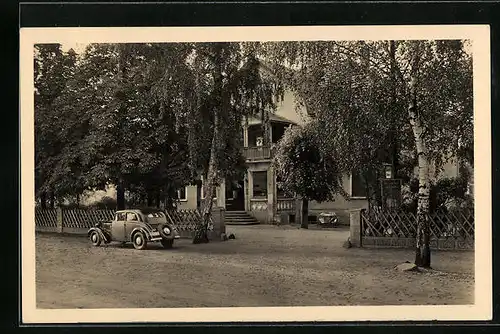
(256, 174)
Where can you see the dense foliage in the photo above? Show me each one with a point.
(381, 102)
(147, 118)
(302, 167)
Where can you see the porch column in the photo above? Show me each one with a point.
(248, 191)
(245, 135)
(221, 194)
(271, 196)
(270, 134)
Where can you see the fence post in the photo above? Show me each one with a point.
(59, 215)
(355, 227)
(218, 217)
(298, 211)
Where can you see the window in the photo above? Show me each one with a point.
(131, 216)
(182, 194)
(358, 187)
(120, 216)
(259, 184)
(278, 132)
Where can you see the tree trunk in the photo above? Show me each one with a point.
(158, 199)
(149, 200)
(422, 250)
(43, 200)
(77, 200)
(305, 214)
(201, 231)
(394, 153)
(120, 197)
(52, 200)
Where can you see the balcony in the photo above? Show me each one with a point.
(257, 153)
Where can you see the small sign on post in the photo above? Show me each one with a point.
(391, 193)
(388, 171)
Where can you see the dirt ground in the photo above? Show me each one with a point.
(263, 266)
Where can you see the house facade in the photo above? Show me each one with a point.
(257, 193)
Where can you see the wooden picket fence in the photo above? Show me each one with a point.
(46, 218)
(454, 229)
(186, 220)
(80, 220)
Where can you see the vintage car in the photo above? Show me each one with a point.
(138, 226)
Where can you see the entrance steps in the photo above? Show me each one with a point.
(239, 218)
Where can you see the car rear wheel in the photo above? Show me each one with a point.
(139, 240)
(95, 239)
(167, 243)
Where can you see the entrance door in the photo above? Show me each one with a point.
(235, 196)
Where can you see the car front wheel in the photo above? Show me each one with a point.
(95, 238)
(139, 240)
(167, 243)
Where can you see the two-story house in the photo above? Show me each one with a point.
(257, 194)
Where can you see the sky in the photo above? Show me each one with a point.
(78, 47)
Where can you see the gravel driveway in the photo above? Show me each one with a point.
(263, 266)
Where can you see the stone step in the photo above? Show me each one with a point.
(232, 222)
(239, 218)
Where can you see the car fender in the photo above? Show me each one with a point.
(173, 231)
(103, 235)
(143, 230)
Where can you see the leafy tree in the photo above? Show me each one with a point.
(52, 69)
(305, 170)
(226, 86)
(109, 130)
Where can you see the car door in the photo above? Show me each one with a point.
(118, 227)
(131, 222)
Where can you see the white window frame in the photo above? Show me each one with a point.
(350, 189)
(179, 195)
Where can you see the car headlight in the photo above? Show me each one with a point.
(166, 230)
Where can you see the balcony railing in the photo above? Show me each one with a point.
(285, 205)
(257, 153)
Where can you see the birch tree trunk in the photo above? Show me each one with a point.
(422, 249)
(201, 232)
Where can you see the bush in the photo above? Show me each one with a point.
(104, 203)
(446, 194)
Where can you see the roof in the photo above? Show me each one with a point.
(276, 119)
